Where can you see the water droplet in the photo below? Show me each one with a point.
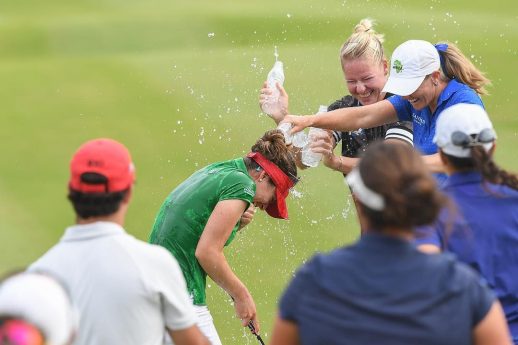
(211, 34)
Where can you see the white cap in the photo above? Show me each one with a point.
(411, 62)
(41, 301)
(470, 119)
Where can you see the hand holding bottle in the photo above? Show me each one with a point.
(317, 147)
(276, 110)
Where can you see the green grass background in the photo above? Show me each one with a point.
(177, 82)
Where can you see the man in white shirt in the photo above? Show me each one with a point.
(127, 291)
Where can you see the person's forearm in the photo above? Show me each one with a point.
(351, 119)
(345, 119)
(218, 269)
(434, 163)
(343, 164)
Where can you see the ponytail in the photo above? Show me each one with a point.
(491, 172)
(481, 161)
(454, 64)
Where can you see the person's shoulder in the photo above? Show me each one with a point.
(344, 102)
(236, 174)
(450, 271)
(49, 259)
(322, 261)
(457, 92)
(506, 191)
(146, 252)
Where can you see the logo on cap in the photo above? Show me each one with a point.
(398, 66)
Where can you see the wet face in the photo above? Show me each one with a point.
(264, 193)
(365, 79)
(425, 95)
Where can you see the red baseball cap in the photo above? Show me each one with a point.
(105, 157)
(282, 185)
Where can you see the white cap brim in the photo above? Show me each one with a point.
(402, 86)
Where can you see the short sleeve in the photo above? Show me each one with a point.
(435, 233)
(481, 297)
(237, 185)
(428, 234)
(294, 293)
(402, 107)
(337, 135)
(168, 281)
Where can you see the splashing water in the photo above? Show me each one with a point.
(276, 53)
(296, 194)
(347, 209)
(201, 137)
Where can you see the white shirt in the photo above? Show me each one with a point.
(127, 291)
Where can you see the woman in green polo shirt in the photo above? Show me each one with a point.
(203, 214)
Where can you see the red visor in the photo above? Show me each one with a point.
(282, 185)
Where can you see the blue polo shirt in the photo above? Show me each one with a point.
(482, 233)
(382, 290)
(424, 120)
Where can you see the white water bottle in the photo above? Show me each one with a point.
(276, 75)
(299, 139)
(310, 158)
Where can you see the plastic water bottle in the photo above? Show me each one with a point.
(299, 139)
(276, 75)
(310, 158)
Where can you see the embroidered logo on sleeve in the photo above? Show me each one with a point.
(249, 191)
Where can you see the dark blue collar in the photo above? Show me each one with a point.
(461, 178)
(374, 241)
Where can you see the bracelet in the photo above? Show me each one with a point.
(341, 165)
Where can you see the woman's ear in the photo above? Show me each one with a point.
(385, 66)
(262, 175)
(436, 77)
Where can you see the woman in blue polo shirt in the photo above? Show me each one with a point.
(382, 290)
(426, 79)
(484, 231)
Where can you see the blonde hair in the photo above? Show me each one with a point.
(456, 65)
(363, 42)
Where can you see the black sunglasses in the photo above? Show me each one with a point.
(464, 140)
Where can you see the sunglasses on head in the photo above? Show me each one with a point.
(465, 141)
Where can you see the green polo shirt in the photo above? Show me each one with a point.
(184, 214)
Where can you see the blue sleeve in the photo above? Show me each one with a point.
(427, 234)
(293, 295)
(481, 297)
(432, 233)
(402, 106)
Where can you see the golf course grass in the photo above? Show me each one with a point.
(177, 82)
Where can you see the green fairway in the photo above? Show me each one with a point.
(177, 82)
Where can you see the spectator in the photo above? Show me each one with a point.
(382, 290)
(484, 231)
(127, 291)
(35, 310)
